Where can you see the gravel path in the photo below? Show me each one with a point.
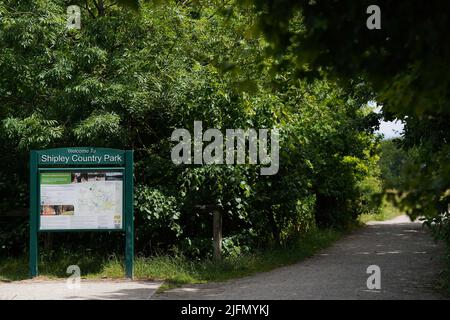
(407, 256)
(88, 290)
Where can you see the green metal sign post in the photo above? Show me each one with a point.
(81, 189)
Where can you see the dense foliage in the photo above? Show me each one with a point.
(407, 64)
(392, 162)
(127, 80)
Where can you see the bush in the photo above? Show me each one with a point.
(13, 236)
(157, 219)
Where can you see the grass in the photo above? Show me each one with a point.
(387, 211)
(52, 266)
(174, 270)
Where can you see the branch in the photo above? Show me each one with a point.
(112, 4)
(221, 7)
(88, 9)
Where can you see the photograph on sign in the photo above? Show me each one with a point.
(81, 200)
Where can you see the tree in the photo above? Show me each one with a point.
(406, 63)
(127, 80)
(391, 163)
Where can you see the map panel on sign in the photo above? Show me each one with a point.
(81, 200)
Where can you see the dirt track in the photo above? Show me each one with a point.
(406, 254)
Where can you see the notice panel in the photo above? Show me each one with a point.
(81, 200)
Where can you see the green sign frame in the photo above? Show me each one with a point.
(79, 159)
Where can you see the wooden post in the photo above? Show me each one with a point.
(217, 235)
(129, 214)
(34, 214)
